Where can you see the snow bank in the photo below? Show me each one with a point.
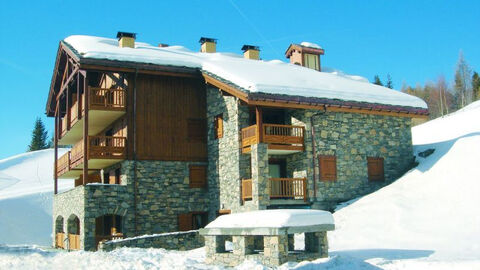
(274, 77)
(26, 197)
(273, 219)
(434, 207)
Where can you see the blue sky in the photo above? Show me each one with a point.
(413, 41)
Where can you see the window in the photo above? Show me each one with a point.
(192, 221)
(198, 176)
(375, 169)
(196, 130)
(328, 168)
(311, 61)
(218, 126)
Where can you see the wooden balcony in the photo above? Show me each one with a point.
(103, 151)
(280, 188)
(105, 106)
(281, 139)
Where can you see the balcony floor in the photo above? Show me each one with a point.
(101, 119)
(93, 165)
(275, 149)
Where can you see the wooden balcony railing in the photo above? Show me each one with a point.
(104, 98)
(246, 189)
(100, 147)
(280, 188)
(74, 241)
(59, 238)
(273, 134)
(288, 188)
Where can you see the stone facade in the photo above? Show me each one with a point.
(177, 241)
(162, 190)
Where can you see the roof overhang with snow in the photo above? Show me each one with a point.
(259, 83)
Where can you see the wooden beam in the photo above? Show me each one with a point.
(86, 91)
(55, 162)
(101, 68)
(67, 82)
(366, 111)
(259, 118)
(225, 87)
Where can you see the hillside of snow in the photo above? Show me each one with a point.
(26, 192)
(432, 211)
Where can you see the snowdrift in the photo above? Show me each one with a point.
(433, 209)
(26, 192)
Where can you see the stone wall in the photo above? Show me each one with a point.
(163, 192)
(351, 138)
(177, 240)
(226, 164)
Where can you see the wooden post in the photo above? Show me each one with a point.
(79, 102)
(258, 113)
(55, 163)
(86, 92)
(67, 105)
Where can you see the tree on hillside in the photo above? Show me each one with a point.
(463, 76)
(389, 83)
(476, 86)
(39, 136)
(377, 81)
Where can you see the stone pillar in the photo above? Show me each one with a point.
(291, 242)
(317, 242)
(260, 183)
(243, 245)
(214, 244)
(276, 249)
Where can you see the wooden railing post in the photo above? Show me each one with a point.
(259, 119)
(304, 189)
(85, 132)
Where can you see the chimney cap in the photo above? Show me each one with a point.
(207, 39)
(250, 47)
(126, 34)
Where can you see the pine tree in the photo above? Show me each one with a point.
(463, 75)
(39, 136)
(476, 86)
(377, 81)
(389, 83)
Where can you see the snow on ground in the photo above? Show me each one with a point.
(26, 191)
(428, 219)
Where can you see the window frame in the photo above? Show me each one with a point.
(218, 126)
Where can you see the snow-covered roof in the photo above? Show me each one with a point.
(251, 76)
(280, 218)
(310, 45)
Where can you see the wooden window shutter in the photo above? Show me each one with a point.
(375, 169)
(328, 168)
(185, 222)
(198, 176)
(218, 123)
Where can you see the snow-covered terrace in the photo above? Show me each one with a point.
(259, 79)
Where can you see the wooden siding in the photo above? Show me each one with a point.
(165, 107)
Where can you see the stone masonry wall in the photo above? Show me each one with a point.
(177, 240)
(226, 166)
(351, 138)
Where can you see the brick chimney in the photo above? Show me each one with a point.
(126, 39)
(208, 45)
(251, 52)
(305, 54)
